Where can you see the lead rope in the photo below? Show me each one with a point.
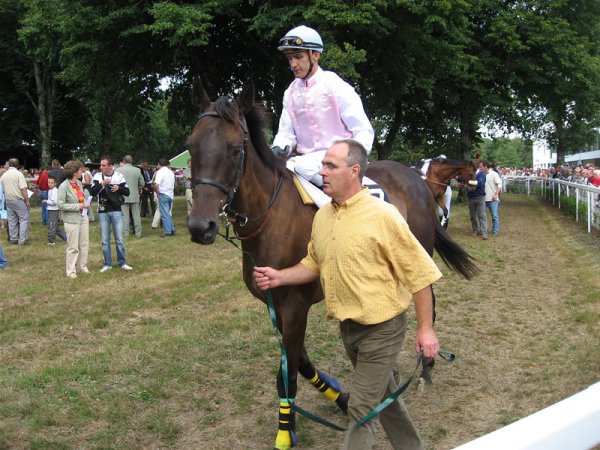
(444, 354)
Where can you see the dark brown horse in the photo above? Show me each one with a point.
(236, 175)
(441, 171)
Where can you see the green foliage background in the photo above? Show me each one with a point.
(82, 78)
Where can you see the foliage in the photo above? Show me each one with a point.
(428, 72)
(506, 152)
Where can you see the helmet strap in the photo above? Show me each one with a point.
(310, 68)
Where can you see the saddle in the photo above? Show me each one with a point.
(313, 195)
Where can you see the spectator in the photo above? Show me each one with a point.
(147, 194)
(54, 227)
(476, 196)
(3, 261)
(131, 207)
(110, 187)
(86, 181)
(164, 186)
(17, 203)
(57, 172)
(187, 173)
(493, 188)
(72, 202)
(42, 184)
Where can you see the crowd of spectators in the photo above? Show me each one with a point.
(34, 185)
(587, 174)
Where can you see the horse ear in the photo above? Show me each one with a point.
(246, 97)
(200, 98)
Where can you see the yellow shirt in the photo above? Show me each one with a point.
(368, 261)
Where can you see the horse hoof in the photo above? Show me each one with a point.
(342, 401)
(423, 386)
(286, 440)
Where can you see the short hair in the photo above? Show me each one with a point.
(163, 162)
(485, 163)
(127, 159)
(357, 154)
(52, 177)
(55, 163)
(72, 167)
(13, 162)
(108, 159)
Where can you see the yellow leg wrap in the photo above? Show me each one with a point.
(329, 393)
(284, 440)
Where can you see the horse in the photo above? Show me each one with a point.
(236, 176)
(439, 173)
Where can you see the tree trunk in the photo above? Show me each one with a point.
(43, 107)
(384, 150)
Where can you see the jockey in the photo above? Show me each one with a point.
(318, 107)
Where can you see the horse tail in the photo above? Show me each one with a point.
(453, 255)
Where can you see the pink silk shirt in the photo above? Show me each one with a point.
(320, 110)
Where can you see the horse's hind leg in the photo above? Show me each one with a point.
(327, 385)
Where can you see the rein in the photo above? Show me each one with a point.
(437, 182)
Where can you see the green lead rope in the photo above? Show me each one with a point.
(448, 356)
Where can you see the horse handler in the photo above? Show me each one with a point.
(370, 266)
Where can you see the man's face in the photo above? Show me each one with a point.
(105, 167)
(299, 61)
(337, 175)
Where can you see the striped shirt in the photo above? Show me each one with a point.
(368, 261)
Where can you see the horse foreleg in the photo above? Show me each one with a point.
(327, 385)
(293, 327)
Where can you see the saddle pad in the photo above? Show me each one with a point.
(303, 194)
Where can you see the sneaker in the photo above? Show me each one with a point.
(51, 243)
(126, 267)
(105, 268)
(84, 270)
(484, 237)
(72, 276)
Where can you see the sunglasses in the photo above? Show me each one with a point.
(294, 41)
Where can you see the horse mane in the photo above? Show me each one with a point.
(256, 119)
(452, 162)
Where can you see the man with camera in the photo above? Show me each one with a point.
(110, 187)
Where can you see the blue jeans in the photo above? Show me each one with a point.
(493, 207)
(164, 205)
(44, 196)
(106, 219)
(3, 261)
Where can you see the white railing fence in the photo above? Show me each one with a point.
(582, 202)
(573, 424)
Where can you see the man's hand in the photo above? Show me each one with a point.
(266, 278)
(427, 342)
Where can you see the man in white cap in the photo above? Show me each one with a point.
(319, 108)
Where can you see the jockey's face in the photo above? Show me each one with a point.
(300, 62)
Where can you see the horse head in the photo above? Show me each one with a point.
(218, 148)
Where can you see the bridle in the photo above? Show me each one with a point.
(227, 213)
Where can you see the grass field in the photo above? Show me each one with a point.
(177, 354)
